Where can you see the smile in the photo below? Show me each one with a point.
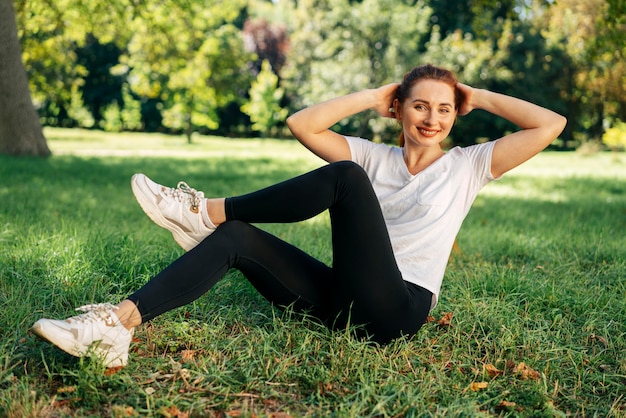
(427, 132)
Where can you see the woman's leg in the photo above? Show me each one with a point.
(366, 288)
(282, 273)
(363, 287)
(364, 284)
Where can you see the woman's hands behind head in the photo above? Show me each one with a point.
(467, 94)
(386, 100)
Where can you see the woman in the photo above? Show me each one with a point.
(395, 212)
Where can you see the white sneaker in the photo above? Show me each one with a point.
(178, 210)
(98, 331)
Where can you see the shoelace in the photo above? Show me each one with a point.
(183, 193)
(94, 312)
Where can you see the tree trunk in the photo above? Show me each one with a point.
(20, 129)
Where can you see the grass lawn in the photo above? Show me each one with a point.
(531, 322)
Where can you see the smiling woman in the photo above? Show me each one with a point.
(395, 212)
(433, 78)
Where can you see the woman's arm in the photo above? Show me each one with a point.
(311, 126)
(540, 126)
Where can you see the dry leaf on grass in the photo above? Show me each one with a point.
(525, 372)
(446, 320)
(492, 370)
(110, 371)
(124, 411)
(187, 356)
(173, 412)
(476, 386)
(600, 339)
(505, 405)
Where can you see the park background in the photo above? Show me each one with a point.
(532, 320)
(238, 68)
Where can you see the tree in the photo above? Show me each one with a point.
(20, 129)
(55, 35)
(341, 46)
(268, 42)
(190, 56)
(592, 34)
(101, 88)
(481, 18)
(264, 107)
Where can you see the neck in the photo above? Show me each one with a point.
(417, 160)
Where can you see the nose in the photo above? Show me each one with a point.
(431, 119)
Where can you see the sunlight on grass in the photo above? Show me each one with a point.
(88, 143)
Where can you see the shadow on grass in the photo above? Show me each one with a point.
(71, 228)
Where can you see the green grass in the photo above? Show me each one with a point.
(540, 281)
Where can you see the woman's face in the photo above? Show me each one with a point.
(428, 114)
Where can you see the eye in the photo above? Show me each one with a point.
(420, 107)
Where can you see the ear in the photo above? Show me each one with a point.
(396, 109)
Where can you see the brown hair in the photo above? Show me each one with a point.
(426, 72)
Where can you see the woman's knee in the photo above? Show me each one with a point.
(233, 227)
(226, 236)
(350, 172)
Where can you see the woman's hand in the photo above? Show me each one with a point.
(311, 126)
(385, 97)
(467, 94)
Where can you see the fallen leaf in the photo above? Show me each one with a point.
(505, 404)
(525, 372)
(445, 320)
(187, 355)
(110, 371)
(64, 402)
(476, 386)
(124, 411)
(492, 370)
(600, 339)
(173, 412)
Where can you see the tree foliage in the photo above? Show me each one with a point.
(592, 34)
(190, 55)
(264, 106)
(340, 46)
(188, 65)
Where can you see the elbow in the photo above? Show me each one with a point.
(559, 125)
(292, 124)
(289, 121)
(562, 122)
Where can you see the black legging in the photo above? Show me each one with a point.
(363, 287)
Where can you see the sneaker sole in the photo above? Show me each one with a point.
(38, 330)
(110, 359)
(154, 214)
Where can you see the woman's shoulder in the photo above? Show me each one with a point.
(367, 143)
(472, 151)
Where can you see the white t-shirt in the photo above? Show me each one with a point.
(424, 212)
